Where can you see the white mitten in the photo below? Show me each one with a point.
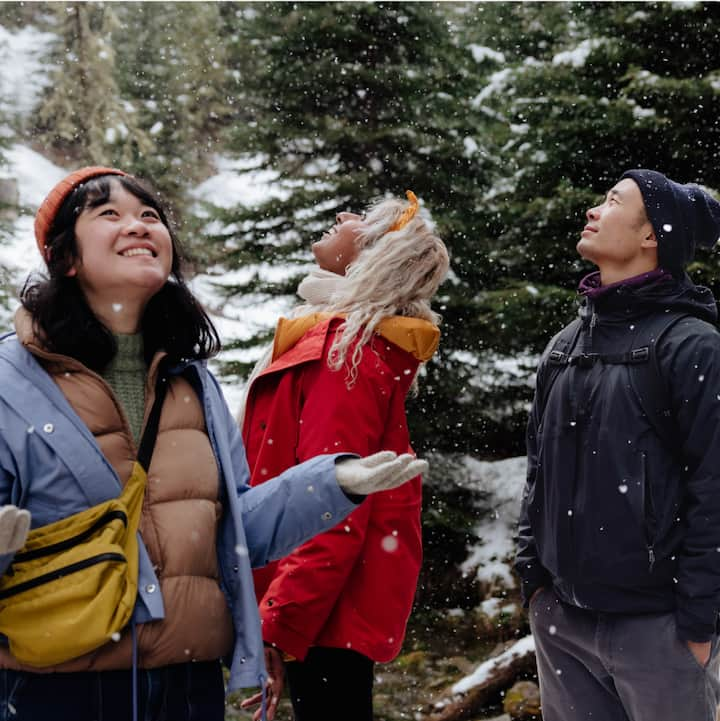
(14, 527)
(378, 472)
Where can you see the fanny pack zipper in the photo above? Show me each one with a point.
(61, 572)
(70, 542)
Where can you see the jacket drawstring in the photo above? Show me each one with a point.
(133, 631)
(263, 698)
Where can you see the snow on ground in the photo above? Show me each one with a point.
(35, 176)
(503, 481)
(522, 647)
(237, 181)
(493, 607)
(23, 69)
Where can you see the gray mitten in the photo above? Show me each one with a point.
(14, 528)
(378, 472)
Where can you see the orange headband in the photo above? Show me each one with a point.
(408, 214)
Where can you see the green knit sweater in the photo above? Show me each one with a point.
(126, 375)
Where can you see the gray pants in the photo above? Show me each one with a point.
(613, 667)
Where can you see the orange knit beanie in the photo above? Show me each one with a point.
(55, 198)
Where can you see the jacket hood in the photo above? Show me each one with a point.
(414, 335)
(27, 333)
(664, 294)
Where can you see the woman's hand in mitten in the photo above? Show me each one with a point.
(378, 472)
(14, 528)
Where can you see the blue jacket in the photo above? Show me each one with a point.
(43, 442)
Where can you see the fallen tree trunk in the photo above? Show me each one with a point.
(468, 697)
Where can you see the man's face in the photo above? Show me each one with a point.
(618, 232)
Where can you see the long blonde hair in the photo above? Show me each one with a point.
(395, 273)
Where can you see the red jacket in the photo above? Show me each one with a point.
(352, 586)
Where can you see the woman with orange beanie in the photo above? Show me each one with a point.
(336, 380)
(108, 328)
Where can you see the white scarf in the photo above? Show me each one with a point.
(317, 289)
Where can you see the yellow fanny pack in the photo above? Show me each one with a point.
(72, 587)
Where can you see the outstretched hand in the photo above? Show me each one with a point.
(378, 472)
(14, 528)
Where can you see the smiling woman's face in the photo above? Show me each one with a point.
(339, 246)
(124, 249)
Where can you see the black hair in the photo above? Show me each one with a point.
(173, 320)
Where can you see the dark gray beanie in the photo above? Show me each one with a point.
(682, 216)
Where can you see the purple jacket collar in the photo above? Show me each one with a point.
(591, 287)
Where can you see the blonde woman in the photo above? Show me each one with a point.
(336, 380)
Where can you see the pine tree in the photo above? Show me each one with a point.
(171, 63)
(587, 91)
(83, 116)
(8, 209)
(352, 101)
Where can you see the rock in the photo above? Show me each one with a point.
(522, 701)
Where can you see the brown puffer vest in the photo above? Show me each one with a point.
(179, 521)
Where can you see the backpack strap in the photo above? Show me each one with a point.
(650, 386)
(647, 382)
(557, 359)
(585, 360)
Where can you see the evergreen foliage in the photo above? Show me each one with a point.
(349, 102)
(628, 91)
(507, 119)
(8, 207)
(588, 91)
(83, 116)
(19, 14)
(171, 62)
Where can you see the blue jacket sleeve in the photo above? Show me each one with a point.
(6, 496)
(286, 511)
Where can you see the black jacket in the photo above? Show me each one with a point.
(612, 516)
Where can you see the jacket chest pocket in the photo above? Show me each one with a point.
(638, 493)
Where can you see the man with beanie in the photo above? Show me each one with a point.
(619, 537)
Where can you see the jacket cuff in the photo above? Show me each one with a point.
(689, 628)
(539, 578)
(530, 585)
(286, 639)
(696, 625)
(356, 498)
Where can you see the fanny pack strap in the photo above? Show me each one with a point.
(147, 442)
